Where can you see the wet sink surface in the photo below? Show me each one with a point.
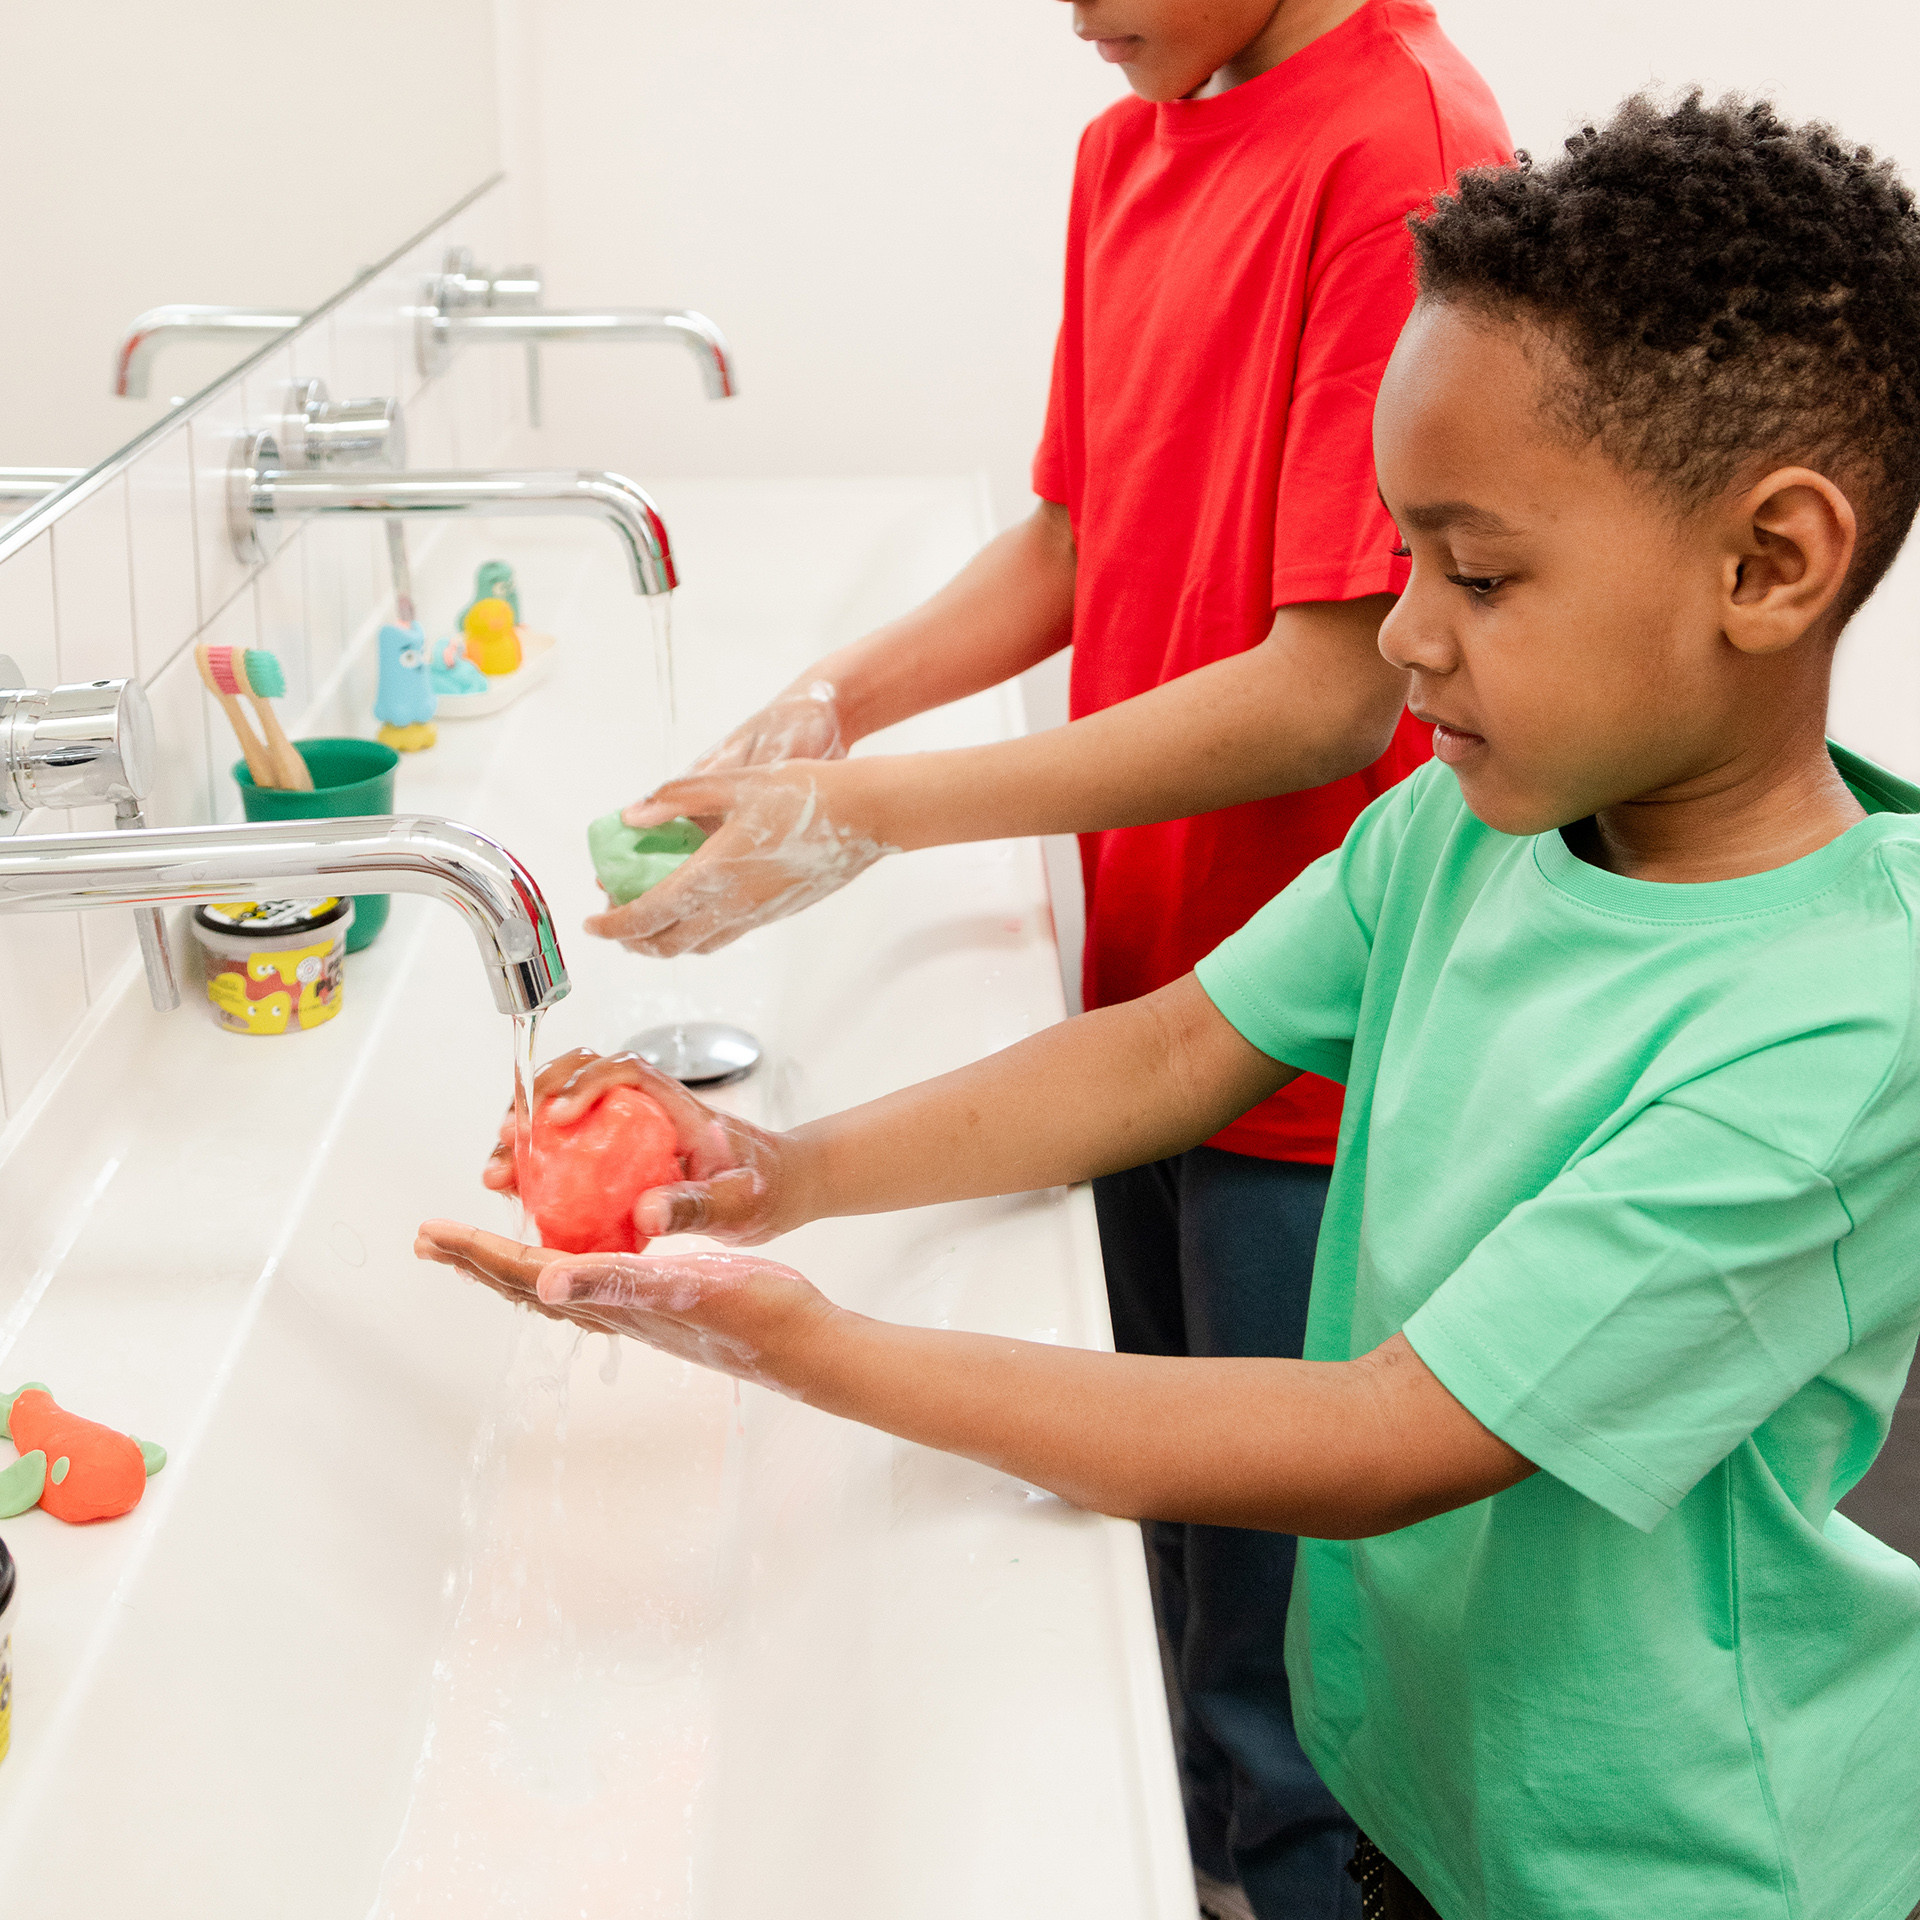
(442, 1609)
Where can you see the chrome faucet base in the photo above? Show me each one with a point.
(698, 1053)
(85, 745)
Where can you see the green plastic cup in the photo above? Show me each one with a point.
(350, 777)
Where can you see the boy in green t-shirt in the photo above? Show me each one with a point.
(1620, 1274)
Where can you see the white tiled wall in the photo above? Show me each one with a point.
(138, 570)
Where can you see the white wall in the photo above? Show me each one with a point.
(214, 151)
(868, 196)
(1851, 62)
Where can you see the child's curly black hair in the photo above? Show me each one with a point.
(1732, 293)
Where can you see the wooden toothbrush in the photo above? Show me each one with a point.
(216, 669)
(263, 681)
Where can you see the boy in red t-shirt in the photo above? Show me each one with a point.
(1210, 541)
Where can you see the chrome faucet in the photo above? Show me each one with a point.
(150, 331)
(265, 490)
(396, 853)
(469, 305)
(88, 744)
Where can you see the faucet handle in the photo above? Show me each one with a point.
(72, 746)
(150, 923)
(318, 431)
(460, 287)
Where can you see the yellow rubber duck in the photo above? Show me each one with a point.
(493, 642)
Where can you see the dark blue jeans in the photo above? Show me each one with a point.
(1211, 1253)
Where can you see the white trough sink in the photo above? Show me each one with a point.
(434, 1612)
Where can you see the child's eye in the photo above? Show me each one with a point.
(1401, 552)
(1481, 586)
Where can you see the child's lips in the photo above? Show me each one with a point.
(1119, 48)
(1452, 744)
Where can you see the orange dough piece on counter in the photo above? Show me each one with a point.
(105, 1475)
(585, 1177)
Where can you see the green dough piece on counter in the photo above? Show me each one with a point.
(629, 860)
(22, 1484)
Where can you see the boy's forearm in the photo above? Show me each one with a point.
(1111, 1089)
(1331, 1450)
(1312, 703)
(1009, 608)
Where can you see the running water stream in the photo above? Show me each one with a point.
(526, 1066)
(660, 615)
(667, 758)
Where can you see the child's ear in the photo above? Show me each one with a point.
(1791, 545)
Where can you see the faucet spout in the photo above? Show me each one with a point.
(401, 853)
(262, 492)
(150, 331)
(545, 327)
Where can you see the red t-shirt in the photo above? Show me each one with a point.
(1238, 269)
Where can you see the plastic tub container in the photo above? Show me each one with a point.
(350, 778)
(6, 1649)
(274, 966)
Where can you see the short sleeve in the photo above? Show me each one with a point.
(1050, 481)
(1290, 981)
(1333, 539)
(1636, 1320)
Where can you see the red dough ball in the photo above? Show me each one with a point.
(586, 1177)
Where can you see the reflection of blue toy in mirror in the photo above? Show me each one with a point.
(450, 671)
(405, 701)
(494, 581)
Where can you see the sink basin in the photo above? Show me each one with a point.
(442, 1609)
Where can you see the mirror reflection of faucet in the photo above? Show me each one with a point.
(23, 487)
(463, 305)
(469, 305)
(242, 327)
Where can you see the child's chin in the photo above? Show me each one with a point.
(1521, 814)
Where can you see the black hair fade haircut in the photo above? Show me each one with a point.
(1732, 293)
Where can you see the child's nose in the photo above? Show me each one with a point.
(1413, 639)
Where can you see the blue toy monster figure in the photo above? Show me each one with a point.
(405, 701)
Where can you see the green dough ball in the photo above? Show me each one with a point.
(629, 860)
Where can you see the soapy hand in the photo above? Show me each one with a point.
(780, 838)
(738, 1188)
(801, 724)
(742, 1316)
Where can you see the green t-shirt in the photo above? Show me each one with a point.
(1634, 1168)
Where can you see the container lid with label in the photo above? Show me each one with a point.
(276, 917)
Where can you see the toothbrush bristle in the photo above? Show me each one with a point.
(220, 663)
(263, 673)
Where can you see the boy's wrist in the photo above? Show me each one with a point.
(805, 1192)
(806, 1357)
(845, 681)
